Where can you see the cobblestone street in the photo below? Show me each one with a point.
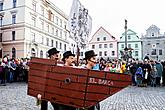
(14, 97)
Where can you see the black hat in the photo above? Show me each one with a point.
(52, 51)
(89, 54)
(67, 54)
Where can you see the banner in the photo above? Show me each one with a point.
(79, 23)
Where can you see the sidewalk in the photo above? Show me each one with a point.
(14, 97)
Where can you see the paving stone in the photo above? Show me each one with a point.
(14, 97)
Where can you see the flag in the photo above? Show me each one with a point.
(79, 23)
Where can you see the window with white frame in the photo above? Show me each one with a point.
(47, 41)
(13, 18)
(136, 45)
(1, 6)
(34, 5)
(129, 37)
(47, 26)
(1, 21)
(61, 22)
(104, 38)
(100, 53)
(60, 45)
(105, 45)
(53, 30)
(13, 35)
(56, 32)
(122, 45)
(32, 36)
(52, 43)
(110, 45)
(14, 3)
(60, 33)
(136, 53)
(129, 45)
(93, 46)
(105, 53)
(100, 45)
(42, 24)
(42, 10)
(57, 20)
(56, 44)
(33, 21)
(113, 53)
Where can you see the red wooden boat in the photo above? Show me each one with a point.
(75, 87)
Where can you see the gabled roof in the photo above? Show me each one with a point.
(105, 31)
(129, 30)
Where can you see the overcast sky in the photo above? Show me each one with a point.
(110, 14)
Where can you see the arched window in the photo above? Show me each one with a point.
(13, 52)
(41, 54)
(33, 53)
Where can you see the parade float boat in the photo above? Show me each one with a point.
(77, 87)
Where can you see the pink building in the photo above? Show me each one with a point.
(104, 44)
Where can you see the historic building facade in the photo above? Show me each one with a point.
(134, 44)
(104, 44)
(154, 43)
(31, 27)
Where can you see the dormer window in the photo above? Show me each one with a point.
(152, 34)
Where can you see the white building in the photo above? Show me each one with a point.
(104, 44)
(31, 27)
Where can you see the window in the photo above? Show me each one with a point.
(129, 37)
(42, 40)
(129, 45)
(42, 24)
(100, 53)
(47, 26)
(64, 25)
(13, 19)
(56, 20)
(41, 54)
(33, 37)
(113, 53)
(56, 44)
(100, 45)
(153, 52)
(1, 6)
(34, 5)
(64, 47)
(0, 37)
(33, 21)
(14, 3)
(153, 45)
(65, 35)
(52, 43)
(13, 52)
(81, 53)
(56, 32)
(1, 21)
(98, 39)
(136, 53)
(105, 45)
(152, 34)
(160, 52)
(136, 45)
(42, 10)
(105, 53)
(13, 35)
(53, 30)
(60, 33)
(47, 41)
(111, 45)
(61, 22)
(60, 45)
(93, 46)
(104, 38)
(122, 45)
